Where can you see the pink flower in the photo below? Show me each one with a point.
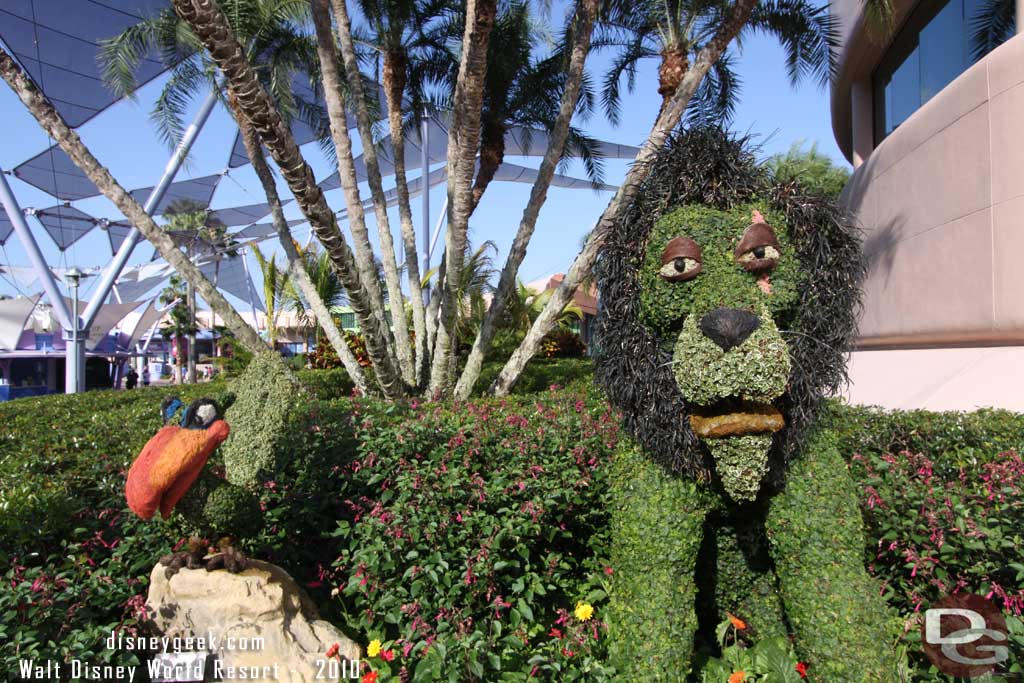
(387, 655)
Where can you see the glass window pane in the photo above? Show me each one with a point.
(940, 51)
(903, 93)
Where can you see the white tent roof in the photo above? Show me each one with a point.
(14, 313)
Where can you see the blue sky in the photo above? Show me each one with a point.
(124, 140)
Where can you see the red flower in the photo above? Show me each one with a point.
(801, 669)
(736, 622)
(332, 651)
(369, 677)
(387, 655)
(555, 633)
(609, 571)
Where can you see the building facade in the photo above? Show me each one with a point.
(933, 129)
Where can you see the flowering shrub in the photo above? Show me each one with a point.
(324, 357)
(382, 519)
(562, 343)
(744, 658)
(938, 534)
(467, 542)
(73, 562)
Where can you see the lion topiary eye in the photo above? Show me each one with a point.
(681, 260)
(758, 249)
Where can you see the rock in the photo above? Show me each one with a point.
(233, 611)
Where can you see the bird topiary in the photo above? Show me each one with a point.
(726, 305)
(171, 472)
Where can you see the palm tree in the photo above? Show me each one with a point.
(276, 285)
(677, 30)
(181, 324)
(521, 89)
(526, 305)
(403, 46)
(280, 51)
(326, 284)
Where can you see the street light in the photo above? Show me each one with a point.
(73, 276)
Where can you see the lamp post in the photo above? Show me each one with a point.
(73, 372)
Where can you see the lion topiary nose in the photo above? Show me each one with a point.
(729, 327)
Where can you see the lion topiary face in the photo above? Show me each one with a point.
(726, 305)
(713, 284)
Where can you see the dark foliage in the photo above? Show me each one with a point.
(710, 166)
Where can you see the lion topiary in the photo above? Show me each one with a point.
(726, 305)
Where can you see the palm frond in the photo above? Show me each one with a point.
(993, 24)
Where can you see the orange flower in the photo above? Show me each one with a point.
(737, 677)
(369, 677)
(737, 622)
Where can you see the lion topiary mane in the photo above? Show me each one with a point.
(709, 167)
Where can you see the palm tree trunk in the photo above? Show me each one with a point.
(673, 68)
(214, 32)
(584, 26)
(667, 120)
(191, 371)
(380, 205)
(69, 142)
(296, 266)
(394, 77)
(464, 138)
(332, 81)
(492, 153)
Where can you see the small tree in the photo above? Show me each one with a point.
(181, 324)
(810, 168)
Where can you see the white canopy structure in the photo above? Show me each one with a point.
(56, 41)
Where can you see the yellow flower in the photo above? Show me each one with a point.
(583, 611)
(373, 649)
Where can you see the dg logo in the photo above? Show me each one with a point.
(964, 635)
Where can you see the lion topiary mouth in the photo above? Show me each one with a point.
(735, 417)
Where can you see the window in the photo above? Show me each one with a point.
(348, 321)
(292, 349)
(44, 342)
(934, 47)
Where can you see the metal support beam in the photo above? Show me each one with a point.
(425, 181)
(28, 241)
(437, 228)
(113, 271)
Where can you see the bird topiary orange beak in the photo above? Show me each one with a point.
(168, 465)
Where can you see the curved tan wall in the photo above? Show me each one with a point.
(941, 201)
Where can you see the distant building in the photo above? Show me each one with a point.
(936, 141)
(586, 301)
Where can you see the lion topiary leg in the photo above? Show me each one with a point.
(656, 525)
(841, 623)
(736, 576)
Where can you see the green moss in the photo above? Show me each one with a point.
(722, 282)
(756, 370)
(842, 624)
(741, 462)
(657, 524)
(266, 394)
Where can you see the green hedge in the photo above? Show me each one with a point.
(75, 564)
(956, 439)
